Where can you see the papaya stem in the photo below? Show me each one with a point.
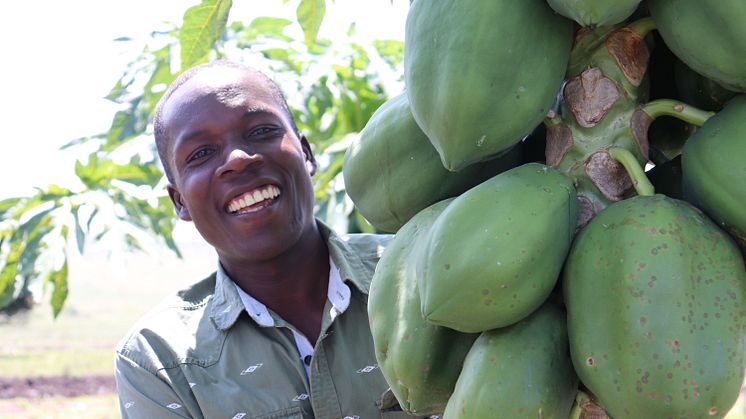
(634, 170)
(677, 109)
(581, 399)
(642, 26)
(576, 411)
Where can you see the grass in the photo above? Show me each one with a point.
(87, 407)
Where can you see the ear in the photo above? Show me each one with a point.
(181, 209)
(310, 159)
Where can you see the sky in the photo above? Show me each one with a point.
(60, 60)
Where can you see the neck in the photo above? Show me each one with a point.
(293, 284)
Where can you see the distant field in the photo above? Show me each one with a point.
(107, 295)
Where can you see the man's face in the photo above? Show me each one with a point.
(240, 171)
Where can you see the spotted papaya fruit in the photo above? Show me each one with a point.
(494, 255)
(477, 80)
(520, 371)
(656, 310)
(713, 165)
(708, 35)
(391, 171)
(420, 361)
(592, 13)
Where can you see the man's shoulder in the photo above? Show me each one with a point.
(366, 243)
(163, 336)
(357, 254)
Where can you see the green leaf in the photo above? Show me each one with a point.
(132, 243)
(79, 233)
(310, 14)
(122, 126)
(202, 27)
(58, 280)
(271, 27)
(9, 272)
(7, 204)
(391, 51)
(81, 140)
(97, 173)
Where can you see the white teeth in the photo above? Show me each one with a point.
(252, 198)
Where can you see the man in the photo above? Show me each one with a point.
(281, 328)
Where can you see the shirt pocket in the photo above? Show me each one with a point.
(287, 413)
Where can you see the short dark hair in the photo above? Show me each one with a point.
(159, 130)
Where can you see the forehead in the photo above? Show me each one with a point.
(220, 87)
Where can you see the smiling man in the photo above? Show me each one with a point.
(281, 328)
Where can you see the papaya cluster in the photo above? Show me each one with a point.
(602, 276)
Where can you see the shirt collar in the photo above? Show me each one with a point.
(338, 294)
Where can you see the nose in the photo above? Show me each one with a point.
(237, 161)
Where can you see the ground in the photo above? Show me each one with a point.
(64, 386)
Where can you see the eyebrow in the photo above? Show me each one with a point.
(250, 113)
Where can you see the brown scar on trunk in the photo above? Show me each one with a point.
(609, 176)
(586, 212)
(590, 96)
(630, 52)
(640, 124)
(559, 141)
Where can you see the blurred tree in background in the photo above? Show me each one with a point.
(332, 89)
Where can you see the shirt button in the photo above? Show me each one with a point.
(307, 359)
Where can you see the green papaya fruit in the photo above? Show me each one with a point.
(520, 371)
(478, 80)
(713, 164)
(494, 255)
(391, 171)
(656, 310)
(592, 13)
(708, 35)
(697, 90)
(420, 361)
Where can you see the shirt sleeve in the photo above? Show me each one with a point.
(143, 394)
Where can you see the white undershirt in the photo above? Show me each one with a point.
(338, 294)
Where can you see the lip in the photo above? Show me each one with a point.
(256, 197)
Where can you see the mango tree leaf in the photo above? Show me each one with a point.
(310, 14)
(8, 204)
(271, 27)
(81, 140)
(79, 233)
(202, 27)
(9, 272)
(54, 192)
(98, 173)
(123, 126)
(25, 247)
(58, 279)
(131, 242)
(59, 282)
(161, 76)
(391, 51)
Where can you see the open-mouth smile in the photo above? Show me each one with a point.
(254, 200)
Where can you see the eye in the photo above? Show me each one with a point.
(201, 153)
(263, 131)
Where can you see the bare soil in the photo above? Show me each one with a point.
(63, 386)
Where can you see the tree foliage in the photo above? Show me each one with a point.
(332, 89)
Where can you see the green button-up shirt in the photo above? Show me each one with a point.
(200, 355)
